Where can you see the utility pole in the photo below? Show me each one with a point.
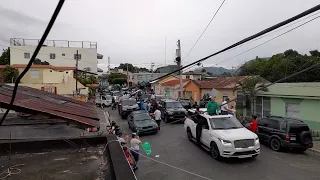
(127, 76)
(108, 65)
(165, 51)
(77, 60)
(178, 61)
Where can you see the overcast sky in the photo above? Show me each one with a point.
(134, 31)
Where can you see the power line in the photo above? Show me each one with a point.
(205, 29)
(270, 39)
(34, 55)
(309, 11)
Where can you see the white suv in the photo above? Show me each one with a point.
(223, 136)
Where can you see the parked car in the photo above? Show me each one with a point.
(127, 106)
(141, 122)
(171, 110)
(186, 103)
(284, 132)
(160, 97)
(224, 136)
(146, 97)
(103, 100)
(202, 103)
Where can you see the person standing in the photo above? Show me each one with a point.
(157, 117)
(135, 146)
(212, 106)
(254, 124)
(225, 108)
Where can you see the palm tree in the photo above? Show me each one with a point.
(250, 86)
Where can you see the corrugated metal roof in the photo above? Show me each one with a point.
(294, 90)
(48, 103)
(222, 82)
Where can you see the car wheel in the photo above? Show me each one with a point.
(123, 116)
(103, 106)
(189, 134)
(275, 144)
(214, 150)
(254, 156)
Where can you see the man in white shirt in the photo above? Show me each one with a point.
(225, 108)
(157, 116)
(153, 96)
(135, 146)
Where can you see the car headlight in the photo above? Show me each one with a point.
(256, 142)
(226, 142)
(170, 112)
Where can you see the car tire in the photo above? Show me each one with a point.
(275, 144)
(123, 116)
(254, 156)
(214, 150)
(189, 134)
(103, 106)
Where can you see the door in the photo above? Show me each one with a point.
(272, 129)
(262, 129)
(293, 110)
(205, 136)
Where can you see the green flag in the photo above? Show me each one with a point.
(147, 147)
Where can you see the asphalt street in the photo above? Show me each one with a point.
(182, 159)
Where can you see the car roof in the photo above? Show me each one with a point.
(285, 119)
(139, 111)
(193, 110)
(169, 100)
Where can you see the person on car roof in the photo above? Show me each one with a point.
(212, 106)
(201, 122)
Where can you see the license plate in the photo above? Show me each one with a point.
(293, 138)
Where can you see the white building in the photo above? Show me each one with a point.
(145, 77)
(56, 53)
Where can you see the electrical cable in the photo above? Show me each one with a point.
(270, 39)
(34, 55)
(205, 29)
(305, 13)
(169, 165)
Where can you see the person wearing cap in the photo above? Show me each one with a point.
(212, 106)
(225, 108)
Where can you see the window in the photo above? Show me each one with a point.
(293, 110)
(266, 106)
(258, 105)
(79, 56)
(63, 54)
(283, 126)
(34, 74)
(263, 122)
(52, 56)
(225, 123)
(103, 98)
(224, 98)
(274, 124)
(27, 55)
(187, 77)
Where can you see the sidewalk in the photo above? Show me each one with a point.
(316, 146)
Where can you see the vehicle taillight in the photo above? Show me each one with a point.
(287, 138)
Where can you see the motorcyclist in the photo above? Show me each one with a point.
(113, 103)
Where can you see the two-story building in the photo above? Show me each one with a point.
(54, 79)
(56, 53)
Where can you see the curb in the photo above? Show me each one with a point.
(314, 150)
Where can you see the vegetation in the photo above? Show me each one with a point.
(117, 78)
(132, 68)
(8, 74)
(5, 57)
(284, 64)
(84, 80)
(249, 87)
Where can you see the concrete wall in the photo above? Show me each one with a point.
(220, 94)
(145, 77)
(308, 109)
(88, 56)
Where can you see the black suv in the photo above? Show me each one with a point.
(127, 106)
(186, 103)
(285, 132)
(172, 110)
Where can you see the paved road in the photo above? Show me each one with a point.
(173, 148)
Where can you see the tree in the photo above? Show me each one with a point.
(86, 69)
(113, 76)
(5, 57)
(119, 81)
(282, 65)
(9, 74)
(132, 68)
(249, 86)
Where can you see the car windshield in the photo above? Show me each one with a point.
(174, 105)
(141, 117)
(183, 101)
(128, 102)
(108, 97)
(146, 95)
(116, 93)
(225, 123)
